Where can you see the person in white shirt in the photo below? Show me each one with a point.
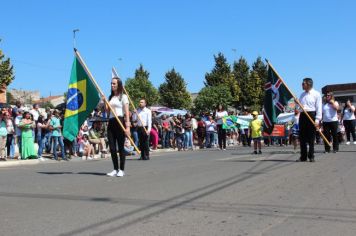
(144, 125)
(116, 135)
(348, 117)
(18, 131)
(310, 99)
(219, 114)
(35, 112)
(210, 126)
(330, 121)
(86, 149)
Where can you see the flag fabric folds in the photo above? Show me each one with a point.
(82, 98)
(276, 98)
(229, 122)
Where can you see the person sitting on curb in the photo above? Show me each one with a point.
(129, 149)
(86, 150)
(95, 137)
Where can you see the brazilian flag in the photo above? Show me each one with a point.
(82, 98)
(229, 122)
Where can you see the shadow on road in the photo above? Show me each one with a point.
(70, 173)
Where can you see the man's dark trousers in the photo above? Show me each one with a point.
(307, 136)
(143, 143)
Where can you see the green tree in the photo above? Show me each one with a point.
(140, 87)
(6, 70)
(174, 92)
(10, 99)
(253, 88)
(210, 97)
(261, 69)
(241, 73)
(47, 104)
(221, 75)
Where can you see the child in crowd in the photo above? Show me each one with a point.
(86, 150)
(256, 132)
(129, 149)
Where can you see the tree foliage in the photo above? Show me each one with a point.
(210, 97)
(6, 70)
(10, 99)
(221, 75)
(261, 69)
(241, 73)
(141, 87)
(174, 92)
(253, 88)
(47, 104)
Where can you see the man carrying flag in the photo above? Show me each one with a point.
(276, 98)
(311, 101)
(82, 98)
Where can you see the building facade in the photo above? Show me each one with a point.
(342, 92)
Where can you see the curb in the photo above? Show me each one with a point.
(10, 163)
(19, 163)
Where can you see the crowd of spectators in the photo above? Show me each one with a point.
(37, 133)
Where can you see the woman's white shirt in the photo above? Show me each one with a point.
(329, 112)
(219, 116)
(349, 114)
(118, 105)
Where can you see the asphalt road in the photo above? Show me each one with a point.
(206, 192)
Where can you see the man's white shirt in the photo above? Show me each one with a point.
(145, 115)
(311, 101)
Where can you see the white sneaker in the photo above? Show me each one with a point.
(41, 159)
(112, 173)
(347, 143)
(90, 158)
(355, 142)
(120, 173)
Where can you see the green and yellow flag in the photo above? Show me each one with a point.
(229, 122)
(82, 98)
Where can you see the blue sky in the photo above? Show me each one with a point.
(300, 38)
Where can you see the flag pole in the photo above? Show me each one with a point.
(103, 95)
(133, 105)
(297, 101)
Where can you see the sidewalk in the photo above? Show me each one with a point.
(48, 159)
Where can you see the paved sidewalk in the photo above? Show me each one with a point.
(49, 159)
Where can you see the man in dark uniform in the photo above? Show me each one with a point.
(144, 124)
(311, 101)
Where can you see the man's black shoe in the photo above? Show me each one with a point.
(301, 160)
(312, 160)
